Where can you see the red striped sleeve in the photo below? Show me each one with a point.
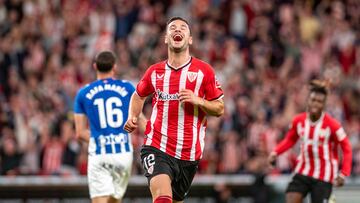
(290, 139)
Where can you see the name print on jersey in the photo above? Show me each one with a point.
(100, 88)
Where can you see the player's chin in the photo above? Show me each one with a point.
(177, 46)
(315, 111)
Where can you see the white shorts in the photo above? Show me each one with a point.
(108, 174)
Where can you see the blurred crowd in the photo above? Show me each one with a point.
(264, 53)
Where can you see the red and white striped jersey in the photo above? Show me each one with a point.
(175, 128)
(319, 147)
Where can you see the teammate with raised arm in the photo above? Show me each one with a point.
(317, 164)
(184, 91)
(104, 103)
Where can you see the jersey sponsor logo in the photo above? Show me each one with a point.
(113, 139)
(163, 96)
(192, 76)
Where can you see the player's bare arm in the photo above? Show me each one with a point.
(82, 132)
(213, 108)
(136, 105)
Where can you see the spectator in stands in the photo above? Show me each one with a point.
(10, 157)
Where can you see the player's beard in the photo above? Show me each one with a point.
(179, 49)
(314, 112)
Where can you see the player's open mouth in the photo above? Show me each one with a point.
(177, 37)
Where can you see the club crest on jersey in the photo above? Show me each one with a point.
(324, 132)
(192, 76)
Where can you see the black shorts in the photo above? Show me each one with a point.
(181, 172)
(320, 191)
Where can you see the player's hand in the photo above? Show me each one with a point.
(339, 181)
(131, 124)
(186, 95)
(272, 159)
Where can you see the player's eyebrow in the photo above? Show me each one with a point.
(182, 26)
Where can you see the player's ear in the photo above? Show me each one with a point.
(94, 66)
(166, 40)
(114, 68)
(190, 40)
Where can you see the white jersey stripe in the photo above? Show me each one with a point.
(101, 140)
(335, 168)
(196, 116)
(130, 141)
(327, 159)
(315, 149)
(181, 115)
(164, 124)
(300, 158)
(202, 135)
(113, 144)
(306, 142)
(153, 114)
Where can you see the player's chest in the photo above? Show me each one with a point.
(313, 134)
(170, 80)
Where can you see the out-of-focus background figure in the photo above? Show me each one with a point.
(321, 136)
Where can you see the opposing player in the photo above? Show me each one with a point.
(104, 104)
(184, 91)
(317, 165)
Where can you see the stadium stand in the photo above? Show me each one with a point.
(263, 52)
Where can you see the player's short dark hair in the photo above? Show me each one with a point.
(178, 18)
(105, 61)
(319, 86)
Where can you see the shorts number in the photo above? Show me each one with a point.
(149, 161)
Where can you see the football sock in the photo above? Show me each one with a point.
(163, 199)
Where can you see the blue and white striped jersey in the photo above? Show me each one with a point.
(106, 104)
